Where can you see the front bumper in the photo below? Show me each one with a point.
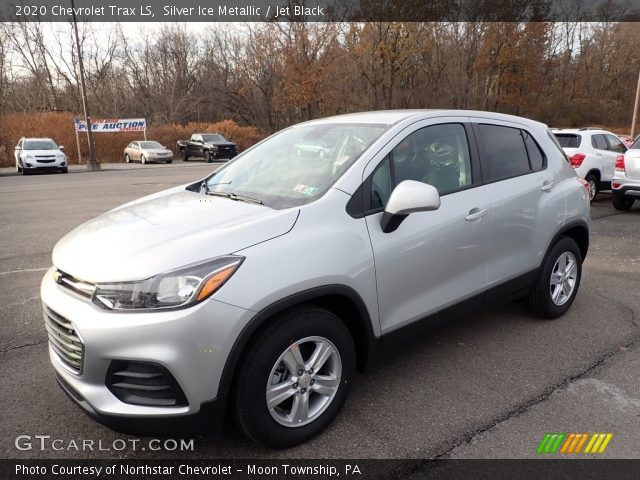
(192, 344)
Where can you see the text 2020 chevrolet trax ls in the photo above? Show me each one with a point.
(259, 290)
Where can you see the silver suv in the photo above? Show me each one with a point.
(259, 290)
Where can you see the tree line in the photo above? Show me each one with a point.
(271, 75)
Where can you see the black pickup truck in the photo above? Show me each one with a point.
(209, 146)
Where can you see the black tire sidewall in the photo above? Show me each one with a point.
(251, 409)
(595, 183)
(621, 203)
(546, 307)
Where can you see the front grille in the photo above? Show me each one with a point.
(80, 287)
(39, 160)
(142, 383)
(64, 340)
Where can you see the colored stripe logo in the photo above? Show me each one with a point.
(573, 443)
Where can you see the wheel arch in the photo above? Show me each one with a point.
(577, 231)
(341, 300)
(595, 172)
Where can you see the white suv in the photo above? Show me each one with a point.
(33, 154)
(592, 152)
(626, 178)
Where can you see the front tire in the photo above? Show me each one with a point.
(558, 281)
(592, 181)
(621, 203)
(143, 160)
(64, 170)
(295, 378)
(127, 159)
(185, 155)
(207, 156)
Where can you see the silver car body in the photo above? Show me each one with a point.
(479, 238)
(138, 150)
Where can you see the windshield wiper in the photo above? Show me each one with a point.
(233, 196)
(204, 186)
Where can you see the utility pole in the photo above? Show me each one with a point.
(636, 107)
(92, 164)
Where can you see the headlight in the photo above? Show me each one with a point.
(179, 288)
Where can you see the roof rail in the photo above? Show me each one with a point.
(590, 128)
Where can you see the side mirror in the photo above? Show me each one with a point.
(18, 147)
(408, 197)
(61, 147)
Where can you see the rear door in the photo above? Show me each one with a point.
(524, 200)
(606, 157)
(434, 259)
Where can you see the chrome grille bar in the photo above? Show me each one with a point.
(64, 340)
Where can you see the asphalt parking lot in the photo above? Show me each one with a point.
(488, 386)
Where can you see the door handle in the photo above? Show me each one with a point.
(547, 186)
(475, 214)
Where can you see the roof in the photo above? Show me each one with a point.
(391, 117)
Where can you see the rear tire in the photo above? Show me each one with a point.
(185, 155)
(169, 161)
(558, 281)
(310, 400)
(621, 203)
(592, 180)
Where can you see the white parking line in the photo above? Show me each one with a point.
(25, 270)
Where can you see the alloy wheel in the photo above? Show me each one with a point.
(303, 381)
(563, 278)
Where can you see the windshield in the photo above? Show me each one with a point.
(213, 138)
(150, 145)
(296, 166)
(39, 145)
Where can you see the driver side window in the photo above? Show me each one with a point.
(437, 155)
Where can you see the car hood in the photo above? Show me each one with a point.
(220, 144)
(163, 233)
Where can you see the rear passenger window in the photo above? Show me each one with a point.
(536, 157)
(505, 154)
(598, 141)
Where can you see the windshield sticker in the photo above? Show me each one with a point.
(305, 189)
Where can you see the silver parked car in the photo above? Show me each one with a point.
(260, 289)
(147, 151)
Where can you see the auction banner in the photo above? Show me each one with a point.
(112, 125)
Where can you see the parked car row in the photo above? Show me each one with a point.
(604, 161)
(43, 154)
